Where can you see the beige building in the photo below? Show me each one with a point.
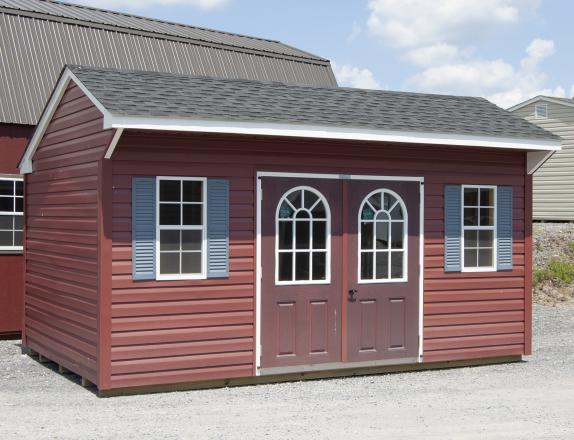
(553, 181)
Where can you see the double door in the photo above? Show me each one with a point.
(339, 271)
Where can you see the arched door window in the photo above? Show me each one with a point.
(302, 242)
(382, 238)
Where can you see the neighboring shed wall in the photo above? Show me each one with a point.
(554, 181)
(61, 302)
(176, 331)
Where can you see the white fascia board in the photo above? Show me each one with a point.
(540, 98)
(327, 132)
(25, 164)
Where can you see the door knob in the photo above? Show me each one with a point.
(352, 293)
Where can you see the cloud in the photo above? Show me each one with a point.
(142, 4)
(351, 76)
(355, 31)
(433, 55)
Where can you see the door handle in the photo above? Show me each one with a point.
(352, 293)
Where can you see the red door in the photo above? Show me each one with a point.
(383, 281)
(301, 271)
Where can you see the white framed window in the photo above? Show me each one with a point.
(541, 111)
(478, 228)
(383, 226)
(11, 213)
(181, 218)
(302, 238)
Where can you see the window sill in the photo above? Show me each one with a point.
(181, 278)
(12, 251)
(478, 269)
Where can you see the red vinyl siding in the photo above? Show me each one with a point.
(160, 329)
(62, 269)
(13, 140)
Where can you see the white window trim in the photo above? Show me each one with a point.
(13, 248)
(404, 250)
(327, 279)
(537, 114)
(203, 229)
(494, 230)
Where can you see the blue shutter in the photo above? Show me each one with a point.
(504, 228)
(217, 228)
(143, 228)
(452, 228)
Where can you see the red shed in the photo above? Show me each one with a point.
(190, 231)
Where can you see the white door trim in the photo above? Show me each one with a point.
(258, 271)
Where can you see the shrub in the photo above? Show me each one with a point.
(557, 270)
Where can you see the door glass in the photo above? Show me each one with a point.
(382, 237)
(302, 237)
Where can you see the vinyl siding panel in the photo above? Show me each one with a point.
(554, 181)
(181, 331)
(62, 270)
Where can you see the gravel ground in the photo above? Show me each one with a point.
(528, 400)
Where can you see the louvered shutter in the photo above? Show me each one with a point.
(143, 228)
(452, 228)
(217, 228)
(504, 228)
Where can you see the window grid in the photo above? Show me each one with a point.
(11, 213)
(473, 234)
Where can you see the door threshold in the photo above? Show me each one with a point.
(334, 366)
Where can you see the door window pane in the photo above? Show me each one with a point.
(302, 266)
(397, 265)
(286, 266)
(302, 234)
(319, 235)
(319, 265)
(382, 265)
(382, 235)
(397, 235)
(285, 235)
(367, 235)
(367, 265)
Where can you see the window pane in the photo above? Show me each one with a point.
(486, 239)
(295, 199)
(17, 238)
(301, 266)
(302, 234)
(6, 238)
(169, 190)
(192, 191)
(6, 221)
(285, 211)
(471, 197)
(319, 265)
(19, 188)
(486, 216)
(382, 265)
(382, 216)
(169, 262)
(382, 235)
(397, 235)
(169, 240)
(367, 213)
(191, 240)
(389, 201)
(397, 265)
(485, 257)
(169, 214)
(319, 211)
(7, 204)
(286, 266)
(319, 235)
(486, 197)
(310, 199)
(397, 212)
(471, 216)
(366, 265)
(285, 235)
(470, 238)
(375, 200)
(302, 214)
(6, 187)
(19, 204)
(366, 235)
(191, 262)
(18, 222)
(192, 215)
(470, 258)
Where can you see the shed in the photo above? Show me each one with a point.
(553, 186)
(184, 231)
(38, 37)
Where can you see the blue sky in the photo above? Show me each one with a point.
(505, 50)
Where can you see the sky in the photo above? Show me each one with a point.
(504, 50)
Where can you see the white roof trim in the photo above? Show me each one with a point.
(327, 132)
(540, 98)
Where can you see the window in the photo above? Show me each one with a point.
(479, 228)
(541, 111)
(302, 242)
(382, 238)
(11, 213)
(180, 232)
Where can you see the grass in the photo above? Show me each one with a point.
(571, 246)
(556, 270)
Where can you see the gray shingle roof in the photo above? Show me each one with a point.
(147, 94)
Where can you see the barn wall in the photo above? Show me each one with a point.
(13, 140)
(160, 328)
(61, 303)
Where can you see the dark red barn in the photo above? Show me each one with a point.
(194, 231)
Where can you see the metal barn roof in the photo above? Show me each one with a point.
(38, 37)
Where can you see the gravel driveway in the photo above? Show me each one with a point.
(529, 400)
